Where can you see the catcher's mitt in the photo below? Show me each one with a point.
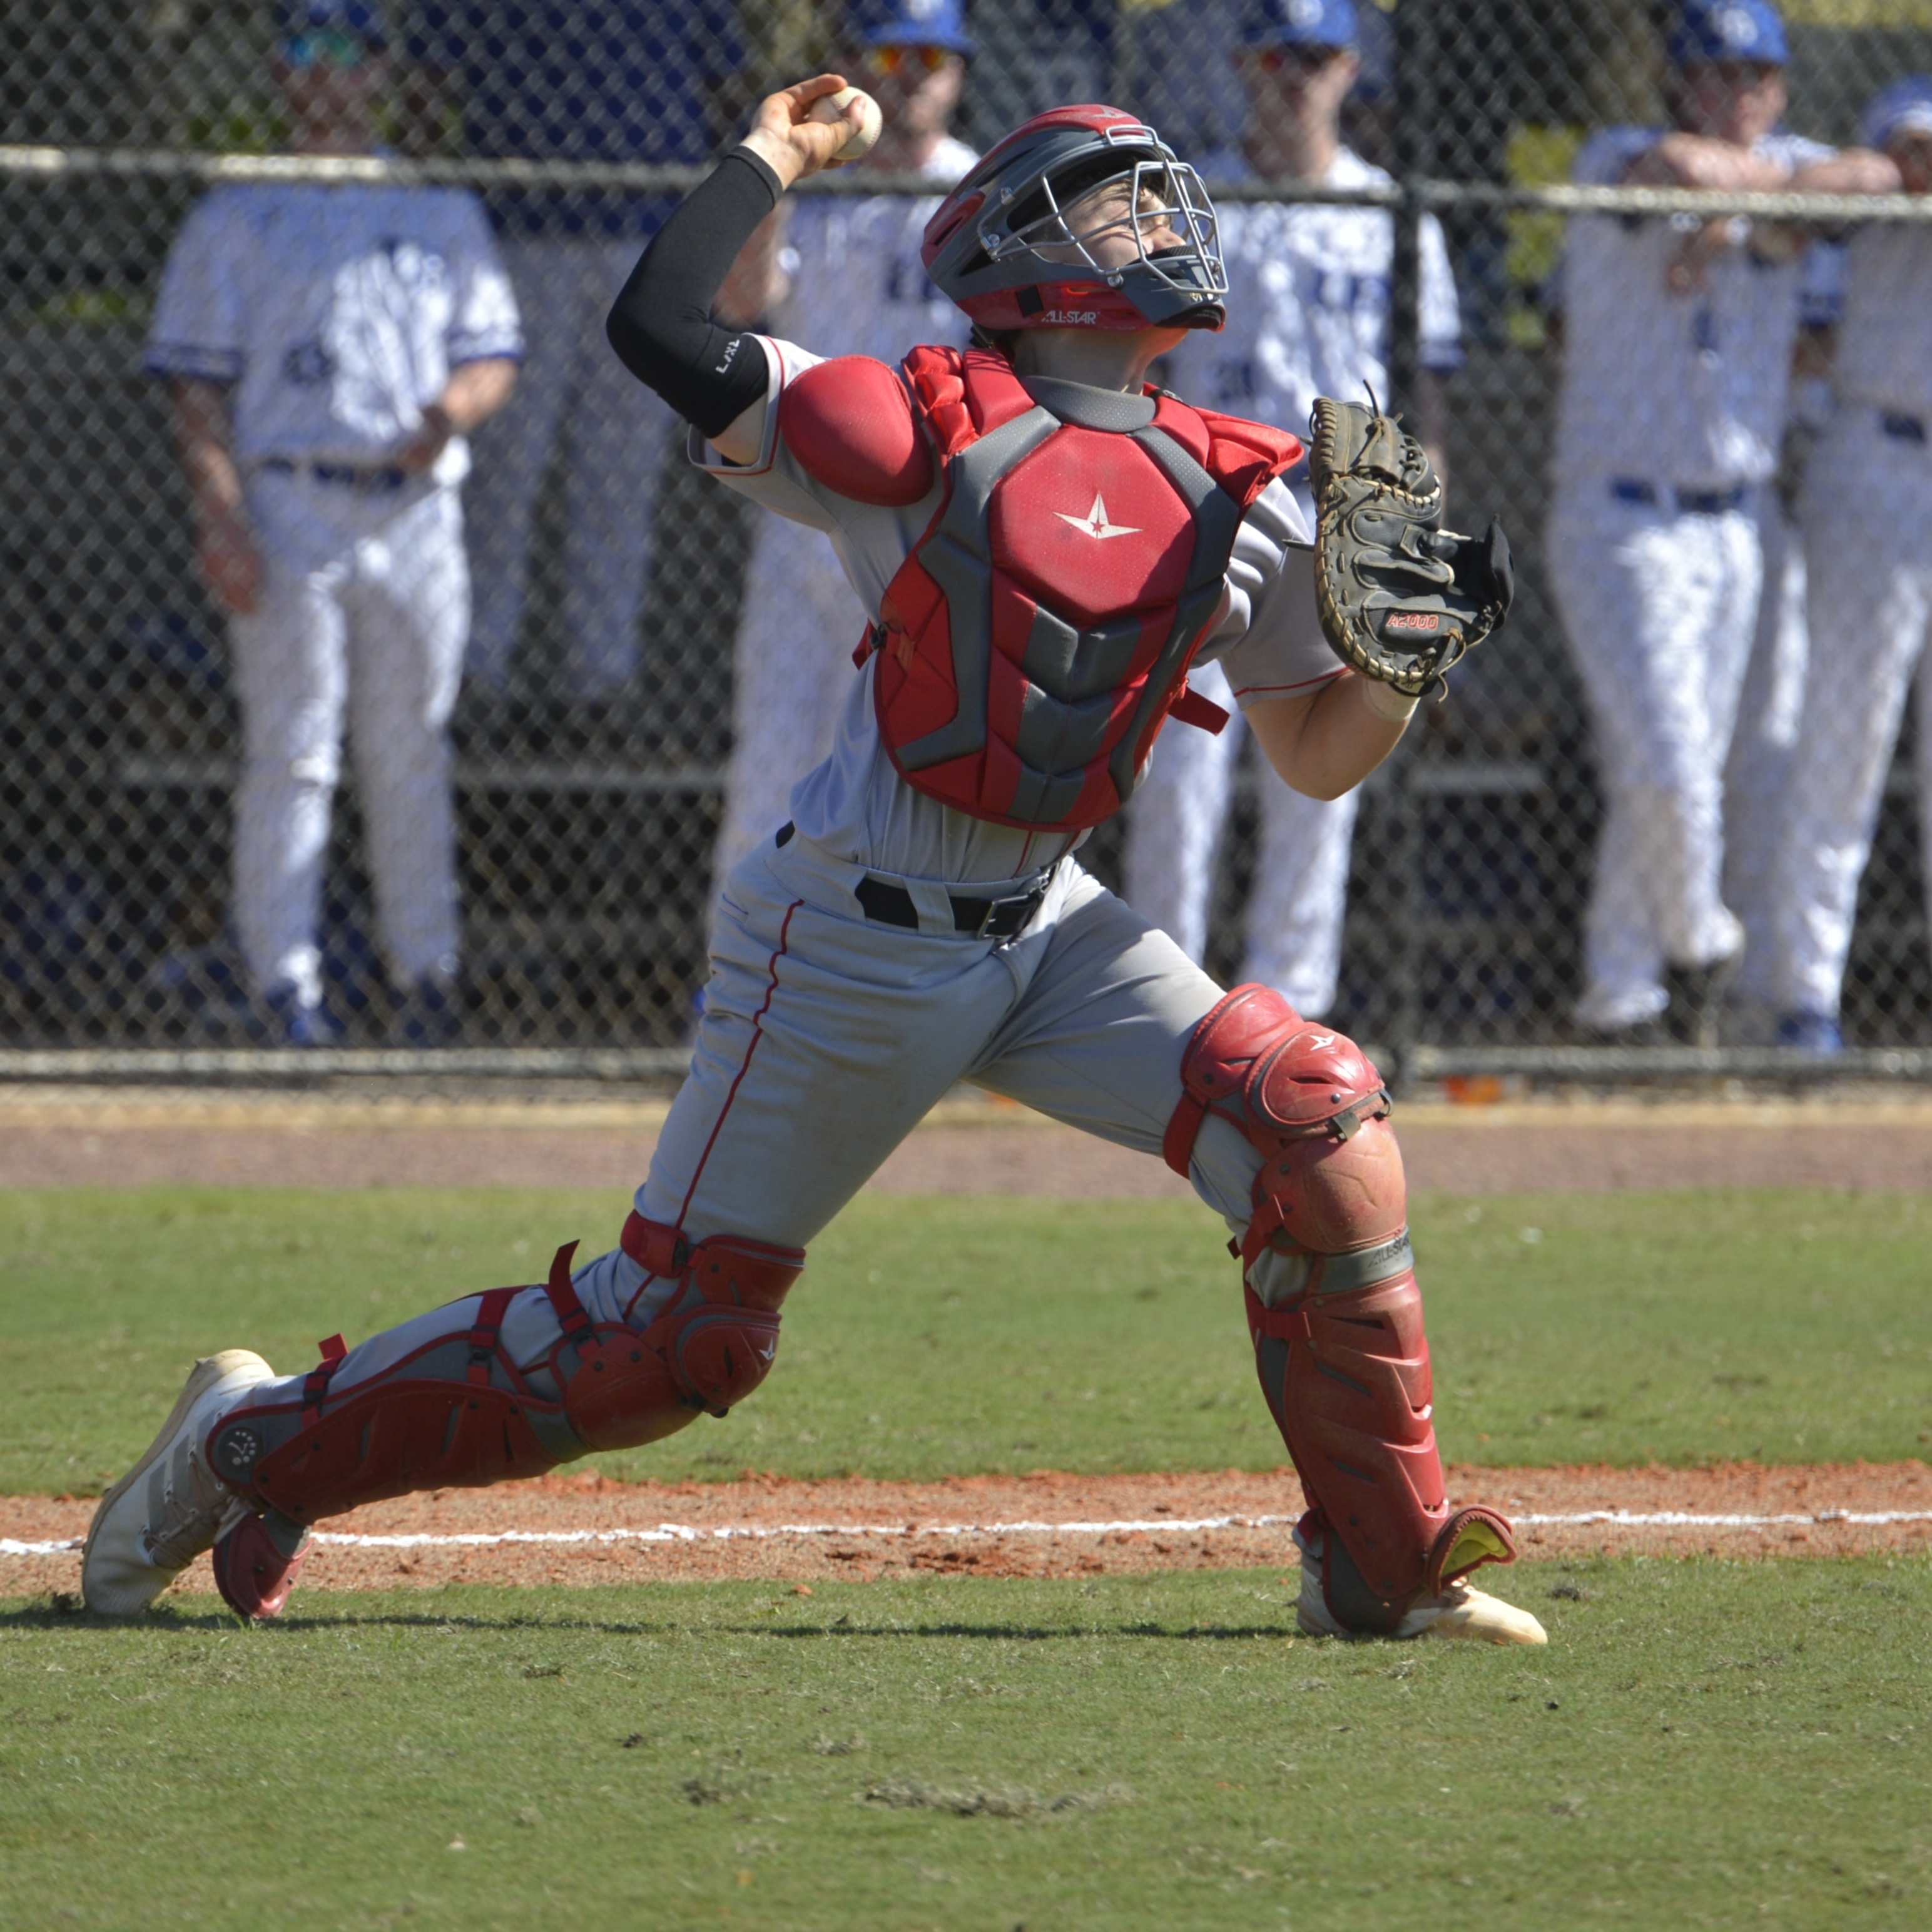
(1401, 599)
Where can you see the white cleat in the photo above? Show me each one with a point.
(170, 1506)
(1461, 1611)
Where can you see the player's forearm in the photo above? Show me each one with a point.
(204, 440)
(1697, 161)
(757, 283)
(661, 324)
(475, 391)
(1325, 744)
(1851, 171)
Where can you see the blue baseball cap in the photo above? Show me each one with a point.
(1905, 107)
(1300, 23)
(910, 23)
(1706, 32)
(335, 16)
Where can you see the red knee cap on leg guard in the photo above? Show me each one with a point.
(710, 1347)
(1302, 1094)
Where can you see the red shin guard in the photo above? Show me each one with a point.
(454, 1415)
(1344, 1364)
(459, 1414)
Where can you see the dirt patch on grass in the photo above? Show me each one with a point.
(583, 1529)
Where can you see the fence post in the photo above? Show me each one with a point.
(1413, 120)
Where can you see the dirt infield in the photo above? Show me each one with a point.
(582, 1529)
(66, 1137)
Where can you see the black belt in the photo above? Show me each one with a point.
(1907, 429)
(345, 475)
(1694, 502)
(889, 904)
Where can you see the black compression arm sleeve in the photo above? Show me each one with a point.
(661, 323)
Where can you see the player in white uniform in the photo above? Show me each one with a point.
(1757, 770)
(328, 349)
(845, 274)
(1678, 345)
(1867, 528)
(1308, 315)
(1045, 547)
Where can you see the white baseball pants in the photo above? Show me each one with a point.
(1757, 773)
(1870, 553)
(826, 1038)
(1300, 894)
(1660, 608)
(792, 672)
(363, 619)
(613, 431)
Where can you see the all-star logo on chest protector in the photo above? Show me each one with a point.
(1096, 523)
(1036, 638)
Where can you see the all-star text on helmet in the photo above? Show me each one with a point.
(1016, 243)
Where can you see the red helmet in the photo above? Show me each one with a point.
(985, 248)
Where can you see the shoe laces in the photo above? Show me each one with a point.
(188, 1515)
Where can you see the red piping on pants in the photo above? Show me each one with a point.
(744, 1065)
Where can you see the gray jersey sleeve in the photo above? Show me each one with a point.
(1263, 638)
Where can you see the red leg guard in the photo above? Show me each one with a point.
(459, 1414)
(454, 1416)
(710, 1349)
(1344, 1364)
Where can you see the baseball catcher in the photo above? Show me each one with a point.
(1045, 545)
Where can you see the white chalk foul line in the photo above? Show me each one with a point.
(682, 1532)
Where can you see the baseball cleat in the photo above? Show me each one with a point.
(1463, 1610)
(170, 1506)
(1460, 1610)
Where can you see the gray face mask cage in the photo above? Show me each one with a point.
(1174, 197)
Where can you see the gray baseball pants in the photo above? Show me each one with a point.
(826, 1038)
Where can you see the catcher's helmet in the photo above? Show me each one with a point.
(985, 248)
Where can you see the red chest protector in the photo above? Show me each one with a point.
(1033, 642)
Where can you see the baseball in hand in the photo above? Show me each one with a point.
(830, 107)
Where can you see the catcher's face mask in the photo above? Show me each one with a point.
(1082, 217)
(1142, 218)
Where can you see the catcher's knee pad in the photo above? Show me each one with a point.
(709, 1348)
(1344, 1364)
(457, 1413)
(1308, 1099)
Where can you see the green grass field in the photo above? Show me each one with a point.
(959, 1336)
(1703, 1743)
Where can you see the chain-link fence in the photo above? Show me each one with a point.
(603, 638)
